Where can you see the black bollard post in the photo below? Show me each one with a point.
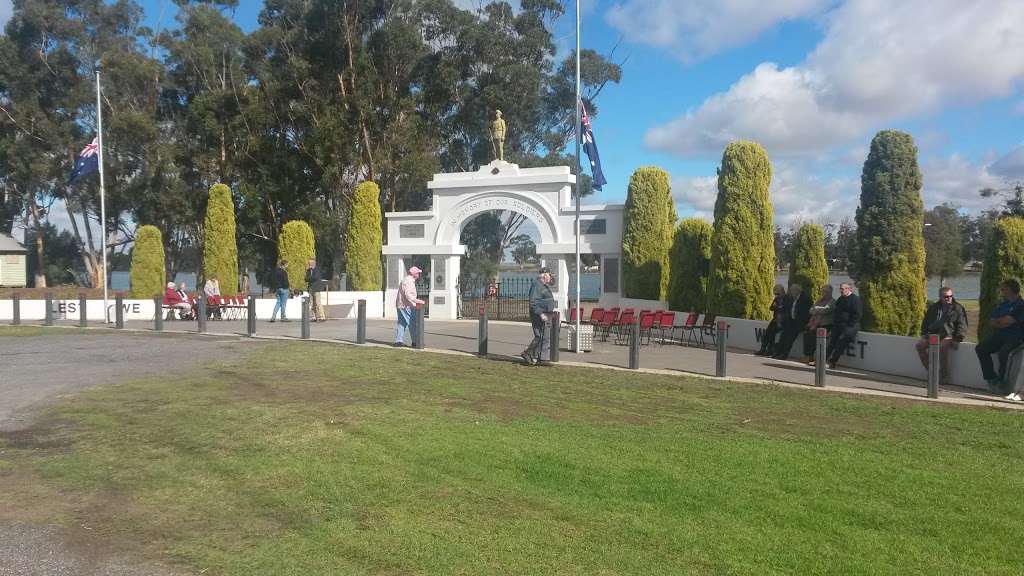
(553, 346)
(158, 318)
(305, 317)
(17, 309)
(83, 320)
(820, 362)
(361, 322)
(933, 365)
(722, 336)
(250, 316)
(420, 328)
(481, 338)
(48, 316)
(201, 314)
(119, 313)
(634, 345)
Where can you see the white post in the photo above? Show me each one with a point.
(103, 205)
(578, 121)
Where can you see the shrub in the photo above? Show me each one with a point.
(688, 265)
(890, 244)
(649, 224)
(808, 268)
(743, 253)
(364, 239)
(1004, 260)
(296, 245)
(220, 252)
(147, 276)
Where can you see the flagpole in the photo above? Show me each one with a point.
(579, 178)
(103, 204)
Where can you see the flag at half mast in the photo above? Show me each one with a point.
(590, 147)
(88, 161)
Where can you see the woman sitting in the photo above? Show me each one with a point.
(768, 338)
(821, 317)
(173, 300)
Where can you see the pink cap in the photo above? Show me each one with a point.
(414, 270)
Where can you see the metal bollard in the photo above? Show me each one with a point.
(83, 320)
(119, 313)
(721, 339)
(634, 345)
(305, 317)
(361, 322)
(158, 318)
(933, 365)
(420, 329)
(49, 309)
(820, 362)
(17, 309)
(250, 316)
(482, 334)
(201, 314)
(553, 345)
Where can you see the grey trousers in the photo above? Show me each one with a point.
(538, 347)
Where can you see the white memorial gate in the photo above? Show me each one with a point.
(543, 195)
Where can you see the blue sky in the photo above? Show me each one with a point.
(811, 80)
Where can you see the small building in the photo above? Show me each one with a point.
(12, 262)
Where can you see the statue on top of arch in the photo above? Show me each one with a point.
(497, 131)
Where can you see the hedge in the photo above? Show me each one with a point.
(147, 275)
(220, 251)
(296, 245)
(808, 268)
(688, 265)
(649, 225)
(365, 239)
(1004, 260)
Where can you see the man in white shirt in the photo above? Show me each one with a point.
(406, 305)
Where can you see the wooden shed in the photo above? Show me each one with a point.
(12, 262)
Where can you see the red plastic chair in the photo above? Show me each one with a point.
(689, 328)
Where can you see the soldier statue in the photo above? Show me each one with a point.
(497, 132)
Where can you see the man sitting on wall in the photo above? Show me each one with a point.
(1006, 320)
(794, 320)
(948, 320)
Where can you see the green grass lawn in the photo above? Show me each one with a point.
(316, 459)
(973, 317)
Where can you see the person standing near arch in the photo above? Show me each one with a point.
(542, 304)
(405, 305)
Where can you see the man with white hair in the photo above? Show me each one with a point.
(542, 304)
(173, 300)
(406, 304)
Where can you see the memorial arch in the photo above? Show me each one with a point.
(543, 195)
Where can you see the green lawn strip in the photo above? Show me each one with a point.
(323, 460)
(35, 331)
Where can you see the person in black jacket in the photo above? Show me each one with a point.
(542, 304)
(315, 285)
(279, 282)
(845, 323)
(768, 338)
(794, 320)
(947, 319)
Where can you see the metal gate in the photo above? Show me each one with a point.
(505, 300)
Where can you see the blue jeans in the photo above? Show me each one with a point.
(406, 319)
(282, 302)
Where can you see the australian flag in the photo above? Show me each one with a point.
(87, 162)
(590, 147)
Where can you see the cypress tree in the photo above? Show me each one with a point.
(808, 268)
(296, 245)
(688, 261)
(890, 244)
(1004, 260)
(649, 224)
(365, 238)
(220, 252)
(743, 253)
(147, 274)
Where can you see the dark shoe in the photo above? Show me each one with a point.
(272, 320)
(398, 344)
(285, 320)
(832, 365)
(546, 363)
(529, 359)
(761, 352)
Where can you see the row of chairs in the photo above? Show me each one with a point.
(617, 323)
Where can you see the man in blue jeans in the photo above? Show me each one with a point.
(1008, 334)
(279, 281)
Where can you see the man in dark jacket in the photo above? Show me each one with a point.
(947, 319)
(794, 318)
(845, 323)
(777, 309)
(542, 304)
(279, 282)
(315, 285)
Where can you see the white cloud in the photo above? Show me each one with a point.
(1010, 166)
(878, 62)
(694, 29)
(6, 11)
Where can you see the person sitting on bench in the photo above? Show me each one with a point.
(174, 301)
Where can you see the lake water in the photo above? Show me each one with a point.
(965, 287)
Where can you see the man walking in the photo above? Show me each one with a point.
(948, 320)
(542, 304)
(315, 285)
(405, 304)
(1009, 334)
(279, 281)
(845, 323)
(794, 320)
